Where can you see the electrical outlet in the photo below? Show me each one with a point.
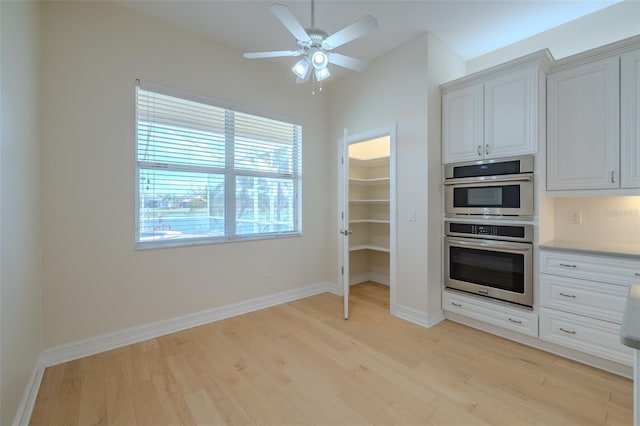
(575, 217)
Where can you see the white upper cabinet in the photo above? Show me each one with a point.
(495, 113)
(630, 120)
(511, 105)
(593, 123)
(463, 130)
(583, 126)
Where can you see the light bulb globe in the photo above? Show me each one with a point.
(319, 59)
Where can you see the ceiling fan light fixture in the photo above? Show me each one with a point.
(301, 68)
(319, 59)
(322, 74)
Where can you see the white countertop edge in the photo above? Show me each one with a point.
(624, 250)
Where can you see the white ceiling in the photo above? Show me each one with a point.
(470, 27)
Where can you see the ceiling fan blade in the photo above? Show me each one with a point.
(285, 16)
(357, 29)
(272, 54)
(346, 61)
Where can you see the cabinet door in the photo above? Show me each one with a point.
(583, 127)
(511, 114)
(630, 120)
(462, 118)
(596, 337)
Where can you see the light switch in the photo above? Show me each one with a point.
(412, 215)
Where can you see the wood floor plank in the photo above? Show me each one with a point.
(203, 410)
(172, 400)
(302, 364)
(120, 410)
(146, 404)
(93, 397)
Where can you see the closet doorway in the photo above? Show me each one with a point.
(368, 211)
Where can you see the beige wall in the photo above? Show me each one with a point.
(395, 89)
(611, 24)
(20, 235)
(611, 220)
(95, 282)
(442, 65)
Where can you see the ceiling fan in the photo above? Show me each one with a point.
(315, 46)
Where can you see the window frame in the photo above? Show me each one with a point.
(229, 172)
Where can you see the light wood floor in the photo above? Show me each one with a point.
(302, 364)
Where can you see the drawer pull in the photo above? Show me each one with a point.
(572, 296)
(566, 265)
(456, 304)
(567, 331)
(637, 274)
(515, 321)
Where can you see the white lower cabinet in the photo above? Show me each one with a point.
(520, 320)
(593, 336)
(587, 298)
(582, 298)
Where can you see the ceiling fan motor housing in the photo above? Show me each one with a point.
(317, 37)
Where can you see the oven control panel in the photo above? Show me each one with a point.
(491, 231)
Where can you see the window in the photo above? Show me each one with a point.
(207, 174)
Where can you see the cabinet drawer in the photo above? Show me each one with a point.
(590, 267)
(589, 298)
(596, 337)
(493, 313)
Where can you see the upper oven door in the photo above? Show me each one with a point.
(502, 196)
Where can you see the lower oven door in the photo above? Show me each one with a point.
(497, 269)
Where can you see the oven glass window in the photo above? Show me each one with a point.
(495, 269)
(505, 196)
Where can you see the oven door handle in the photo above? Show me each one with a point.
(490, 244)
(489, 179)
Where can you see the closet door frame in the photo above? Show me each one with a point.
(343, 182)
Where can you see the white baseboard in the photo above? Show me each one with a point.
(417, 317)
(106, 342)
(23, 416)
(334, 288)
(370, 276)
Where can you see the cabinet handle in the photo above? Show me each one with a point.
(566, 265)
(567, 331)
(613, 176)
(486, 149)
(456, 304)
(515, 321)
(480, 150)
(573, 296)
(637, 274)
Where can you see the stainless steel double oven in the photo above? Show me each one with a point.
(488, 244)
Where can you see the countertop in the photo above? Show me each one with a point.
(625, 250)
(630, 331)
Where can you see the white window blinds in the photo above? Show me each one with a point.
(206, 173)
